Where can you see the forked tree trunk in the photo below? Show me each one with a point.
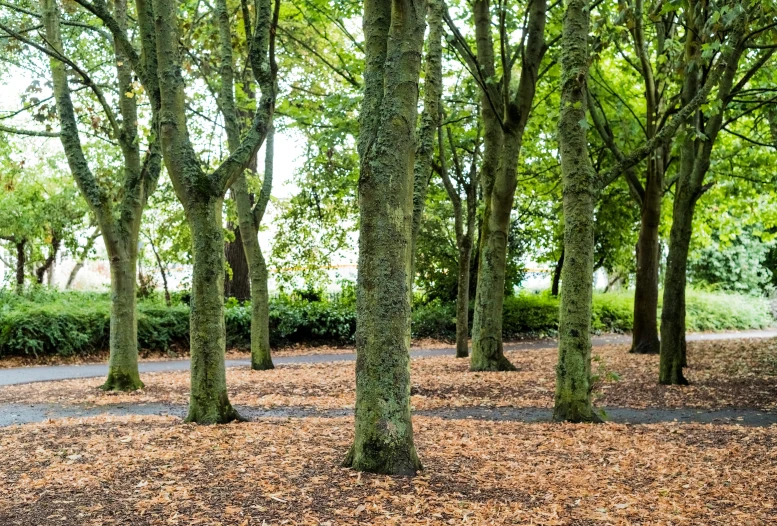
(645, 331)
(208, 401)
(249, 220)
(504, 117)
(383, 438)
(694, 164)
(123, 372)
(573, 371)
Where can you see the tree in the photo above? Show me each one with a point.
(462, 191)
(573, 372)
(651, 33)
(202, 195)
(695, 154)
(249, 214)
(118, 218)
(394, 36)
(505, 113)
(582, 187)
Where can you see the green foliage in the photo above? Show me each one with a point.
(45, 322)
(739, 265)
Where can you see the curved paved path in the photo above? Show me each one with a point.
(18, 413)
(48, 373)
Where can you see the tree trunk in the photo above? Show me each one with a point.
(238, 284)
(557, 275)
(573, 372)
(645, 331)
(123, 372)
(673, 313)
(383, 438)
(21, 259)
(40, 272)
(462, 298)
(487, 348)
(208, 402)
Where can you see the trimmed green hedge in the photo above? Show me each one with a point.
(49, 323)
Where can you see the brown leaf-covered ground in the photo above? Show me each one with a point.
(137, 470)
(734, 373)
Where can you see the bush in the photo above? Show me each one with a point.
(47, 323)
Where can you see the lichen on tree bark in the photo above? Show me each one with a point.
(383, 438)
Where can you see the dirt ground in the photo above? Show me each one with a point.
(138, 470)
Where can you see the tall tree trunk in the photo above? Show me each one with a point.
(504, 117)
(21, 259)
(462, 298)
(202, 193)
(249, 220)
(237, 282)
(383, 438)
(673, 314)
(119, 221)
(645, 331)
(573, 372)
(208, 401)
(557, 274)
(487, 347)
(695, 158)
(123, 372)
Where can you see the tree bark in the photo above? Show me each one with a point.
(238, 284)
(504, 118)
(119, 222)
(40, 272)
(673, 313)
(573, 372)
(202, 193)
(21, 260)
(695, 158)
(557, 274)
(123, 372)
(645, 330)
(462, 299)
(208, 402)
(249, 219)
(383, 438)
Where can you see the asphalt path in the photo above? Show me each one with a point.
(50, 373)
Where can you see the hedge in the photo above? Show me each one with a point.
(78, 323)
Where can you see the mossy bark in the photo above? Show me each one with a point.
(208, 401)
(123, 372)
(383, 438)
(202, 193)
(573, 371)
(487, 347)
(249, 214)
(695, 155)
(505, 115)
(118, 220)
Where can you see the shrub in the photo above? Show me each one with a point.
(46, 323)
